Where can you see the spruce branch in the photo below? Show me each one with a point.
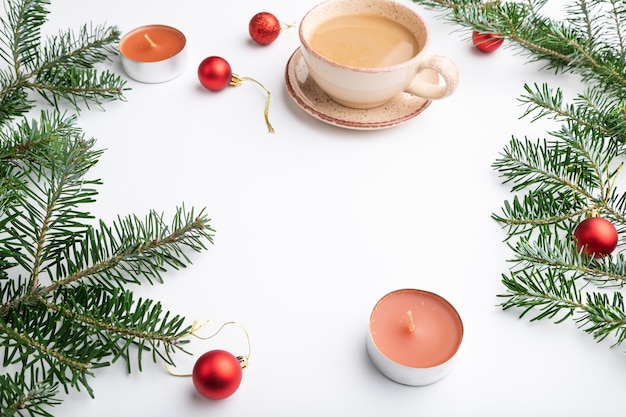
(120, 322)
(61, 68)
(65, 306)
(550, 291)
(604, 316)
(570, 174)
(18, 396)
(540, 210)
(552, 294)
(561, 46)
(551, 252)
(22, 32)
(583, 116)
(132, 249)
(549, 166)
(66, 67)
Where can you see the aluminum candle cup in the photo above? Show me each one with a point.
(154, 53)
(414, 336)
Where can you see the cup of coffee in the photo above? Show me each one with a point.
(362, 53)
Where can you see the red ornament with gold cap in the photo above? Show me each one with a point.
(217, 374)
(215, 74)
(596, 236)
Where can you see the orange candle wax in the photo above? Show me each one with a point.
(413, 334)
(152, 43)
(153, 53)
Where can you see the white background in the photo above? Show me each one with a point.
(315, 223)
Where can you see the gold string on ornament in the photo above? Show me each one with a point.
(243, 360)
(236, 80)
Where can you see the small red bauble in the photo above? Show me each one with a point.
(597, 236)
(486, 42)
(215, 73)
(264, 28)
(217, 374)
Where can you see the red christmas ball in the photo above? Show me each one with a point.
(217, 374)
(214, 73)
(264, 28)
(597, 236)
(486, 42)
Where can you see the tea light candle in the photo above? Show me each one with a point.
(414, 336)
(154, 53)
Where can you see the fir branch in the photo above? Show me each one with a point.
(28, 141)
(542, 211)
(550, 291)
(53, 186)
(617, 24)
(66, 67)
(132, 248)
(547, 165)
(22, 32)
(64, 308)
(558, 181)
(617, 210)
(604, 317)
(585, 11)
(60, 69)
(77, 86)
(119, 321)
(14, 100)
(584, 116)
(141, 249)
(43, 343)
(90, 45)
(519, 22)
(551, 251)
(560, 46)
(53, 357)
(19, 396)
(54, 235)
(84, 328)
(551, 294)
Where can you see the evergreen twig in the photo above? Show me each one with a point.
(65, 306)
(570, 174)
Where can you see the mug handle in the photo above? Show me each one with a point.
(445, 68)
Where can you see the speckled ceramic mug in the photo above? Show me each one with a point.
(366, 87)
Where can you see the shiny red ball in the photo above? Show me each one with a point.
(264, 28)
(597, 236)
(217, 374)
(214, 73)
(486, 42)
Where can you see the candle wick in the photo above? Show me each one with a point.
(411, 322)
(150, 41)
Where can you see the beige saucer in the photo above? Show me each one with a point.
(310, 97)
